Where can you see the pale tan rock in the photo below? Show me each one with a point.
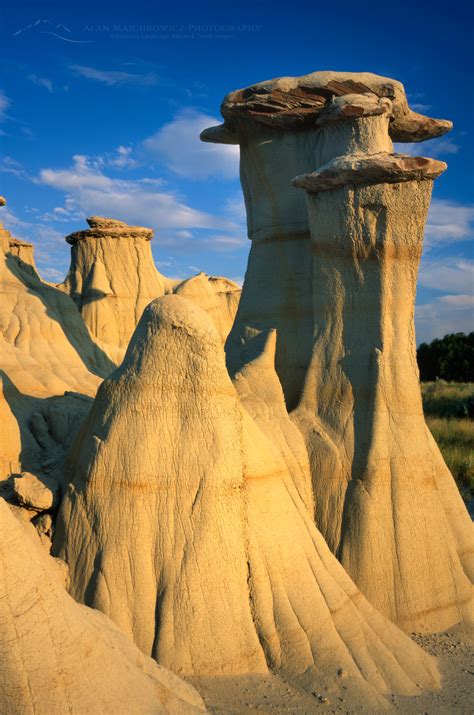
(36, 493)
(184, 525)
(361, 169)
(218, 296)
(261, 395)
(112, 277)
(59, 656)
(24, 253)
(10, 436)
(287, 127)
(45, 352)
(45, 346)
(385, 501)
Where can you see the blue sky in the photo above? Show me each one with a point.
(101, 109)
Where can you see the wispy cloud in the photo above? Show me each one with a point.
(115, 77)
(177, 144)
(446, 314)
(435, 148)
(41, 82)
(8, 165)
(139, 201)
(452, 312)
(4, 104)
(448, 222)
(450, 275)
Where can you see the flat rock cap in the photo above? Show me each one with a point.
(360, 169)
(297, 102)
(101, 227)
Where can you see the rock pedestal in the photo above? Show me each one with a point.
(385, 501)
(112, 277)
(276, 125)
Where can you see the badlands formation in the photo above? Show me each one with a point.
(235, 490)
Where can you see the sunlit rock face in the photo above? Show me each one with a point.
(59, 656)
(217, 295)
(373, 459)
(112, 277)
(183, 524)
(276, 125)
(340, 291)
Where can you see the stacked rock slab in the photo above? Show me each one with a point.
(112, 277)
(275, 123)
(59, 656)
(182, 523)
(385, 500)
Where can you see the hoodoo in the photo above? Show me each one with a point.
(112, 277)
(276, 124)
(373, 459)
(183, 524)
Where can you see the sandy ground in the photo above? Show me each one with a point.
(255, 694)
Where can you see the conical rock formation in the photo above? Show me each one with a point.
(218, 296)
(59, 656)
(183, 524)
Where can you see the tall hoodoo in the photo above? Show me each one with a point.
(183, 524)
(385, 501)
(276, 124)
(112, 277)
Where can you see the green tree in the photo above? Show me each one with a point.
(450, 358)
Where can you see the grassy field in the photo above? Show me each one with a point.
(449, 410)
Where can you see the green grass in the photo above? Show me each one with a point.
(449, 408)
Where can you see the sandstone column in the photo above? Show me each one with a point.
(112, 277)
(385, 501)
(275, 124)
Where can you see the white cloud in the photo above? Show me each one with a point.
(435, 148)
(447, 314)
(453, 275)
(448, 222)
(41, 82)
(4, 104)
(13, 167)
(53, 275)
(121, 159)
(113, 78)
(136, 201)
(178, 145)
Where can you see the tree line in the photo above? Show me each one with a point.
(450, 358)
